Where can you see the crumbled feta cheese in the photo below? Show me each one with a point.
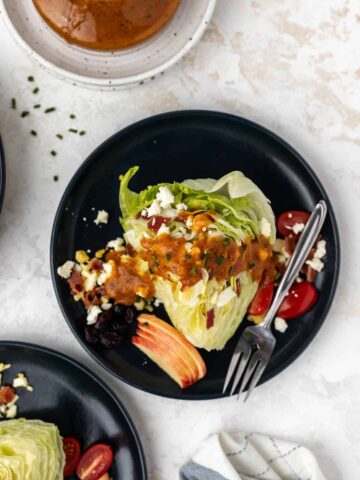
(165, 197)
(169, 212)
(163, 229)
(290, 215)
(320, 251)
(102, 217)
(154, 209)
(280, 325)
(20, 381)
(265, 228)
(225, 297)
(180, 207)
(106, 306)
(4, 366)
(90, 281)
(298, 280)
(298, 227)
(93, 314)
(140, 304)
(189, 222)
(144, 213)
(65, 270)
(149, 308)
(157, 302)
(316, 264)
(116, 244)
(11, 412)
(84, 219)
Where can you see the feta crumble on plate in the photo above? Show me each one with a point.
(102, 217)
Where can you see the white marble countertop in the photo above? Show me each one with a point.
(291, 66)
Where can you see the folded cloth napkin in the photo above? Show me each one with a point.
(251, 456)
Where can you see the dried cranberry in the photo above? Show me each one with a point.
(119, 309)
(110, 339)
(102, 322)
(119, 326)
(129, 315)
(91, 334)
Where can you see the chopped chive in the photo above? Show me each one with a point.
(53, 153)
(13, 103)
(145, 324)
(226, 241)
(187, 257)
(59, 136)
(25, 113)
(73, 130)
(251, 266)
(33, 133)
(153, 257)
(37, 105)
(72, 116)
(193, 271)
(56, 178)
(244, 246)
(155, 264)
(220, 260)
(207, 262)
(204, 255)
(168, 256)
(30, 79)
(36, 90)
(82, 133)
(50, 110)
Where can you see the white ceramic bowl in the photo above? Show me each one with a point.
(107, 69)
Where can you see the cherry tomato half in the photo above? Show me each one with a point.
(302, 296)
(262, 299)
(287, 220)
(95, 462)
(72, 454)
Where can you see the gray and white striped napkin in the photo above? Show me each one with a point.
(253, 456)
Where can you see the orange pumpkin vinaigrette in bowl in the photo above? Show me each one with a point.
(106, 24)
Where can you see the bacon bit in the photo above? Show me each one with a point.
(290, 243)
(210, 317)
(7, 395)
(238, 288)
(130, 250)
(156, 221)
(96, 264)
(93, 297)
(311, 274)
(76, 282)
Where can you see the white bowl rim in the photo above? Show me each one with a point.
(98, 82)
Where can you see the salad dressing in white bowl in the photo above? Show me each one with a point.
(107, 69)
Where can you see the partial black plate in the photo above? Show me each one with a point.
(78, 402)
(175, 146)
(2, 174)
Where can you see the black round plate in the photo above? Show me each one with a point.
(175, 146)
(77, 401)
(2, 174)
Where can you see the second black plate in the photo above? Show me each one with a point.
(77, 401)
(175, 146)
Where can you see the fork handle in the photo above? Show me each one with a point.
(301, 252)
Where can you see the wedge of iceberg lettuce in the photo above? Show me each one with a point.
(209, 312)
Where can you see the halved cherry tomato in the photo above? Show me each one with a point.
(287, 220)
(156, 221)
(72, 454)
(262, 299)
(95, 462)
(302, 296)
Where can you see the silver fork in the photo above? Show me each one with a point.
(255, 346)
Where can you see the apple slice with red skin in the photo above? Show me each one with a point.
(169, 330)
(170, 350)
